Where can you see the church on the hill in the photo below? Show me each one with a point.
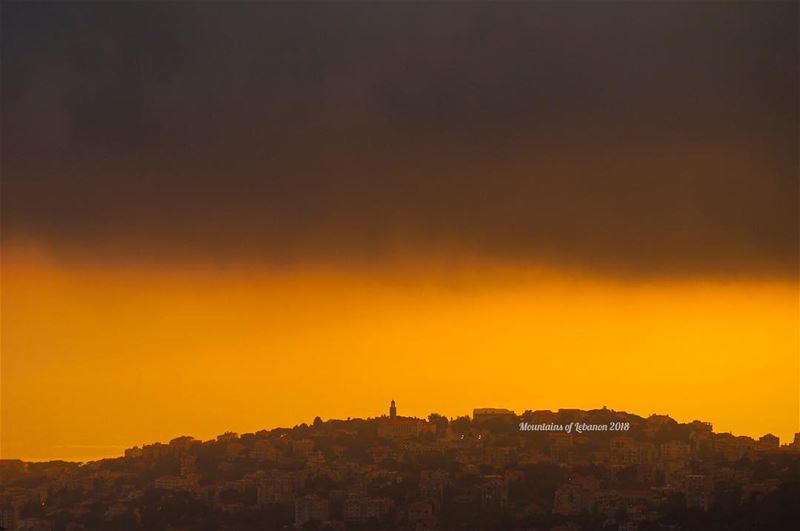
(394, 427)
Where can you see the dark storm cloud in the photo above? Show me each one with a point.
(627, 138)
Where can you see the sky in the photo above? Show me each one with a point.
(240, 216)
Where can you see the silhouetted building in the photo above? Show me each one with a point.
(172, 483)
(184, 443)
(310, 507)
(400, 428)
(699, 491)
(489, 413)
(768, 442)
(433, 482)
(575, 496)
(394, 427)
(9, 512)
(302, 447)
(733, 448)
(362, 508)
(494, 492)
(133, 452)
(279, 487)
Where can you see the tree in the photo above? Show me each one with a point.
(461, 425)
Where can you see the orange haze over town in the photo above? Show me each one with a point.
(97, 357)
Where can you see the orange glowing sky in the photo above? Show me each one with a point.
(98, 359)
(532, 205)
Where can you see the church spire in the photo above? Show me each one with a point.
(392, 410)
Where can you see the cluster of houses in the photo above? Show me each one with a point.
(393, 472)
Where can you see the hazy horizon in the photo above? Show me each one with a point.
(158, 352)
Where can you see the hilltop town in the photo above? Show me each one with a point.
(495, 470)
